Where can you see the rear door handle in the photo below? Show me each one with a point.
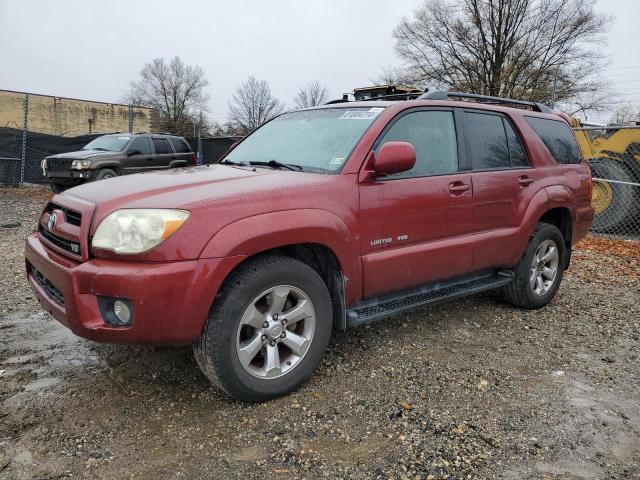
(525, 181)
(458, 187)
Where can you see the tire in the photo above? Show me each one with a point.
(523, 292)
(55, 188)
(252, 294)
(616, 206)
(105, 173)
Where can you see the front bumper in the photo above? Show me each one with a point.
(170, 300)
(70, 178)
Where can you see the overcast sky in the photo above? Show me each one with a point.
(92, 49)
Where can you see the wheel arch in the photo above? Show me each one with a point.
(321, 259)
(316, 237)
(561, 218)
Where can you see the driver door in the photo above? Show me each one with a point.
(140, 161)
(414, 224)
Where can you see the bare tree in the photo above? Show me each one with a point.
(512, 48)
(252, 105)
(176, 90)
(311, 95)
(625, 113)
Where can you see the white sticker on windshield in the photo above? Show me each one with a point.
(124, 138)
(360, 114)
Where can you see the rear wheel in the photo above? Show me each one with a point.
(615, 205)
(539, 272)
(268, 329)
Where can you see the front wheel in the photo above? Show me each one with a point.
(539, 272)
(268, 329)
(105, 173)
(56, 188)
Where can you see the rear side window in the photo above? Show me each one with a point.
(558, 138)
(433, 135)
(487, 141)
(516, 152)
(142, 144)
(180, 146)
(161, 145)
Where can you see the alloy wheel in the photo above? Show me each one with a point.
(275, 332)
(544, 267)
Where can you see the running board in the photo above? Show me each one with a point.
(382, 307)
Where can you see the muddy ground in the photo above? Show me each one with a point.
(473, 389)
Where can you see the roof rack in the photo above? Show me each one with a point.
(445, 95)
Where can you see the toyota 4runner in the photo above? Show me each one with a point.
(116, 154)
(322, 219)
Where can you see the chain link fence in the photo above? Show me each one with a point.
(613, 153)
(23, 144)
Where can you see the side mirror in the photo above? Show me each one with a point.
(394, 157)
(132, 152)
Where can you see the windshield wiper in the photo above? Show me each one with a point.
(226, 161)
(277, 164)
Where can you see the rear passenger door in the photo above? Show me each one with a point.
(503, 185)
(163, 153)
(183, 154)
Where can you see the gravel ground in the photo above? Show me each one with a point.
(471, 389)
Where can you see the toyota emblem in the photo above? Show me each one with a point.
(51, 223)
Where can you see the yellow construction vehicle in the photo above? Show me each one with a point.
(613, 153)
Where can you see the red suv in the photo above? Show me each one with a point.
(321, 219)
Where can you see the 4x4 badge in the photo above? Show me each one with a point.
(51, 223)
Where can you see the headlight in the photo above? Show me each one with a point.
(80, 164)
(137, 230)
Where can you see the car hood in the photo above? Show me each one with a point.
(195, 188)
(215, 196)
(84, 154)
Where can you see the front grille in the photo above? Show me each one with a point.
(59, 164)
(71, 216)
(53, 291)
(60, 242)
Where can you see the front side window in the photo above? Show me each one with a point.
(433, 136)
(108, 143)
(558, 138)
(316, 140)
(486, 141)
(142, 145)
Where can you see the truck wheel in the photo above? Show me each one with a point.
(615, 205)
(55, 188)
(539, 272)
(105, 173)
(267, 330)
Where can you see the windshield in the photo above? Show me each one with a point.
(320, 140)
(109, 143)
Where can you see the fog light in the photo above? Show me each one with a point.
(116, 311)
(122, 311)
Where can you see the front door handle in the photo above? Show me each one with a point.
(525, 181)
(459, 187)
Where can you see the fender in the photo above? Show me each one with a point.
(259, 233)
(517, 241)
(561, 196)
(106, 164)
